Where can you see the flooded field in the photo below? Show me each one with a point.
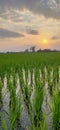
(30, 97)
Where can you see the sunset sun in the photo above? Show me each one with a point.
(45, 41)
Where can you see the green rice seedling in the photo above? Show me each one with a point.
(56, 109)
(0, 92)
(26, 73)
(41, 125)
(55, 75)
(40, 74)
(12, 90)
(49, 69)
(50, 82)
(26, 89)
(32, 61)
(37, 102)
(29, 78)
(15, 106)
(31, 71)
(45, 72)
(8, 79)
(31, 118)
(22, 82)
(2, 72)
(14, 79)
(8, 61)
(4, 125)
(27, 93)
(24, 76)
(37, 107)
(15, 112)
(59, 73)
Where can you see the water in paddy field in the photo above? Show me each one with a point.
(46, 108)
(5, 105)
(24, 122)
(24, 119)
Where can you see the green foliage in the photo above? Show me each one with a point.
(56, 109)
(42, 124)
(37, 102)
(4, 125)
(30, 60)
(15, 106)
(11, 64)
(0, 91)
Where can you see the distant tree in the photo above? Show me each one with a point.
(39, 50)
(26, 50)
(33, 48)
(46, 50)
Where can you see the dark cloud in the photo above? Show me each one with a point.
(4, 33)
(48, 8)
(55, 38)
(57, 1)
(32, 32)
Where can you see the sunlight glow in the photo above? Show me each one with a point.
(45, 41)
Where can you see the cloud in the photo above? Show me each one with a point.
(57, 1)
(32, 32)
(47, 8)
(55, 38)
(4, 33)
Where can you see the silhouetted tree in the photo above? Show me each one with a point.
(26, 50)
(33, 48)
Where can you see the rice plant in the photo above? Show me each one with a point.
(15, 106)
(38, 101)
(56, 109)
(41, 125)
(0, 92)
(50, 82)
(4, 125)
(36, 63)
